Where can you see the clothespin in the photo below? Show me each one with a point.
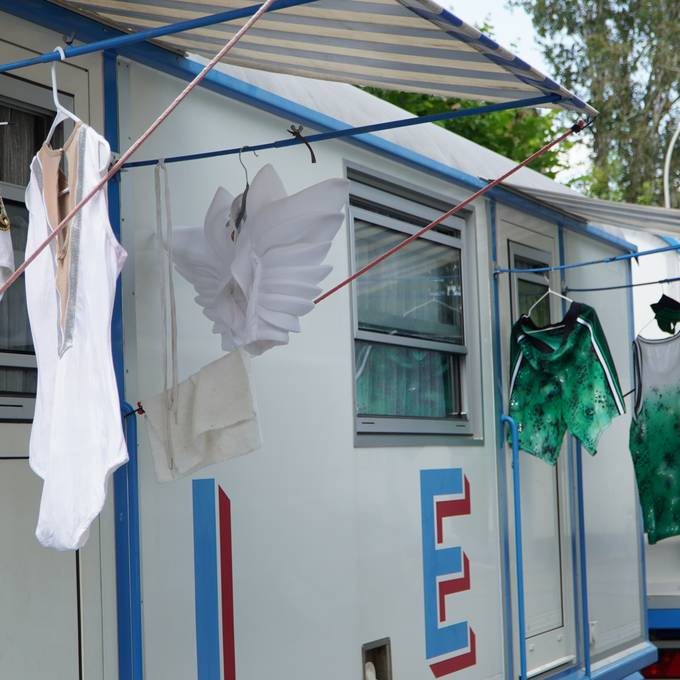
(296, 131)
(138, 411)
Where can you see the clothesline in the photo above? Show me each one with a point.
(133, 148)
(586, 263)
(623, 285)
(353, 131)
(123, 39)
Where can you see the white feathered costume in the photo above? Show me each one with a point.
(255, 279)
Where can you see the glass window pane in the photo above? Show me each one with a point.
(20, 141)
(528, 292)
(417, 292)
(406, 382)
(15, 332)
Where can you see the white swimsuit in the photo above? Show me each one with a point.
(77, 438)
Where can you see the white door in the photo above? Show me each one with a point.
(546, 526)
(50, 602)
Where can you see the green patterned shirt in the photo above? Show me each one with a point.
(562, 378)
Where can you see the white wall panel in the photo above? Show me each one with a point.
(326, 538)
(610, 493)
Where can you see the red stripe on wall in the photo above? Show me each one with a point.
(453, 585)
(457, 663)
(227, 584)
(451, 509)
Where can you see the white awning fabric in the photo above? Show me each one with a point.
(410, 45)
(599, 212)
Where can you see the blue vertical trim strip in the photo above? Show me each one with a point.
(125, 488)
(519, 557)
(205, 575)
(583, 563)
(500, 458)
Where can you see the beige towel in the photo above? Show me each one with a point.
(215, 419)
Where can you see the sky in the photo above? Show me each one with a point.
(514, 27)
(511, 26)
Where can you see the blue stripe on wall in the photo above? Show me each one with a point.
(205, 576)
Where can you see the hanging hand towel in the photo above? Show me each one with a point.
(256, 267)
(215, 419)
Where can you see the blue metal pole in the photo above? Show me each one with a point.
(354, 131)
(519, 558)
(141, 36)
(125, 494)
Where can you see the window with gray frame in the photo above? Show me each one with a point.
(409, 320)
(20, 105)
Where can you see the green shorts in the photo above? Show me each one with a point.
(562, 378)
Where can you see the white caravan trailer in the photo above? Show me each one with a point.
(363, 530)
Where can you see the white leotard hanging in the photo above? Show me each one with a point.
(257, 271)
(76, 439)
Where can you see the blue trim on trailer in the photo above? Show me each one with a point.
(628, 665)
(116, 42)
(583, 565)
(663, 619)
(205, 579)
(669, 240)
(66, 21)
(643, 559)
(125, 489)
(605, 236)
(504, 530)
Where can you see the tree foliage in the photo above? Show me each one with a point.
(516, 133)
(624, 57)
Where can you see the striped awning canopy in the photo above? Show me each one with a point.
(410, 45)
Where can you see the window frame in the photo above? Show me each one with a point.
(423, 205)
(30, 97)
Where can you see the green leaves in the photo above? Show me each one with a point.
(622, 56)
(515, 134)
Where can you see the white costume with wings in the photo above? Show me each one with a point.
(255, 279)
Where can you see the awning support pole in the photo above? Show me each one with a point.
(141, 36)
(577, 127)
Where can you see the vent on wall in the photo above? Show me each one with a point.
(377, 660)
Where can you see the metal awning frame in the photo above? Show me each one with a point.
(122, 40)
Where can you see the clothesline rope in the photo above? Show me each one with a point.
(577, 127)
(586, 263)
(623, 285)
(151, 129)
